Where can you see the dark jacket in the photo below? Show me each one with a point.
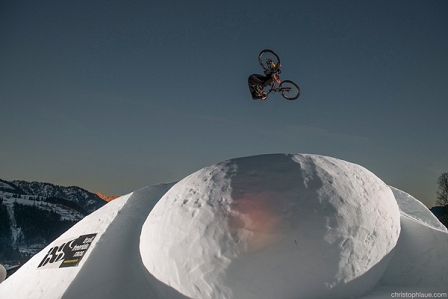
(258, 80)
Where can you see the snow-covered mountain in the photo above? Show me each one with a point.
(83, 198)
(270, 226)
(10, 187)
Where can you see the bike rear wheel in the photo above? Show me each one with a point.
(269, 61)
(289, 90)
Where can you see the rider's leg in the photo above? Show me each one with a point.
(256, 86)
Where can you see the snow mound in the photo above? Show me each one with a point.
(110, 267)
(2, 273)
(272, 226)
(414, 209)
(420, 258)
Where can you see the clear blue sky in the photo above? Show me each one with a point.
(113, 96)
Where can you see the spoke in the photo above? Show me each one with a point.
(269, 60)
(289, 90)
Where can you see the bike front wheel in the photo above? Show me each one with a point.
(289, 90)
(269, 61)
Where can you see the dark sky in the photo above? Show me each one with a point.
(113, 96)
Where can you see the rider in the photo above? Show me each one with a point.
(258, 82)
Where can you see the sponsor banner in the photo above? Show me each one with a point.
(67, 253)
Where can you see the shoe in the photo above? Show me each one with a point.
(258, 90)
(263, 96)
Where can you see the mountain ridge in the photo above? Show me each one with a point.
(85, 199)
(106, 197)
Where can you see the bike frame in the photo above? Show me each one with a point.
(273, 87)
(275, 70)
(272, 68)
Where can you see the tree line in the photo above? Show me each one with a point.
(38, 225)
(5, 232)
(442, 198)
(67, 203)
(7, 252)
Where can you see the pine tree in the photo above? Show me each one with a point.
(442, 191)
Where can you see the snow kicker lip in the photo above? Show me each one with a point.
(67, 253)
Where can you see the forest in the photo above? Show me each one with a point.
(38, 225)
(33, 226)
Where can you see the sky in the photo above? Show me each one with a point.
(113, 96)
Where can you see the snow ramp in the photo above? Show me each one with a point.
(97, 258)
(269, 226)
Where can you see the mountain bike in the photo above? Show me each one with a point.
(270, 62)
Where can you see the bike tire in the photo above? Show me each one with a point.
(289, 90)
(268, 55)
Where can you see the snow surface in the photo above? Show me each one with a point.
(415, 210)
(112, 268)
(421, 255)
(419, 268)
(117, 265)
(273, 226)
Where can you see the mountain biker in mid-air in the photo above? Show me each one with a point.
(270, 63)
(257, 82)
